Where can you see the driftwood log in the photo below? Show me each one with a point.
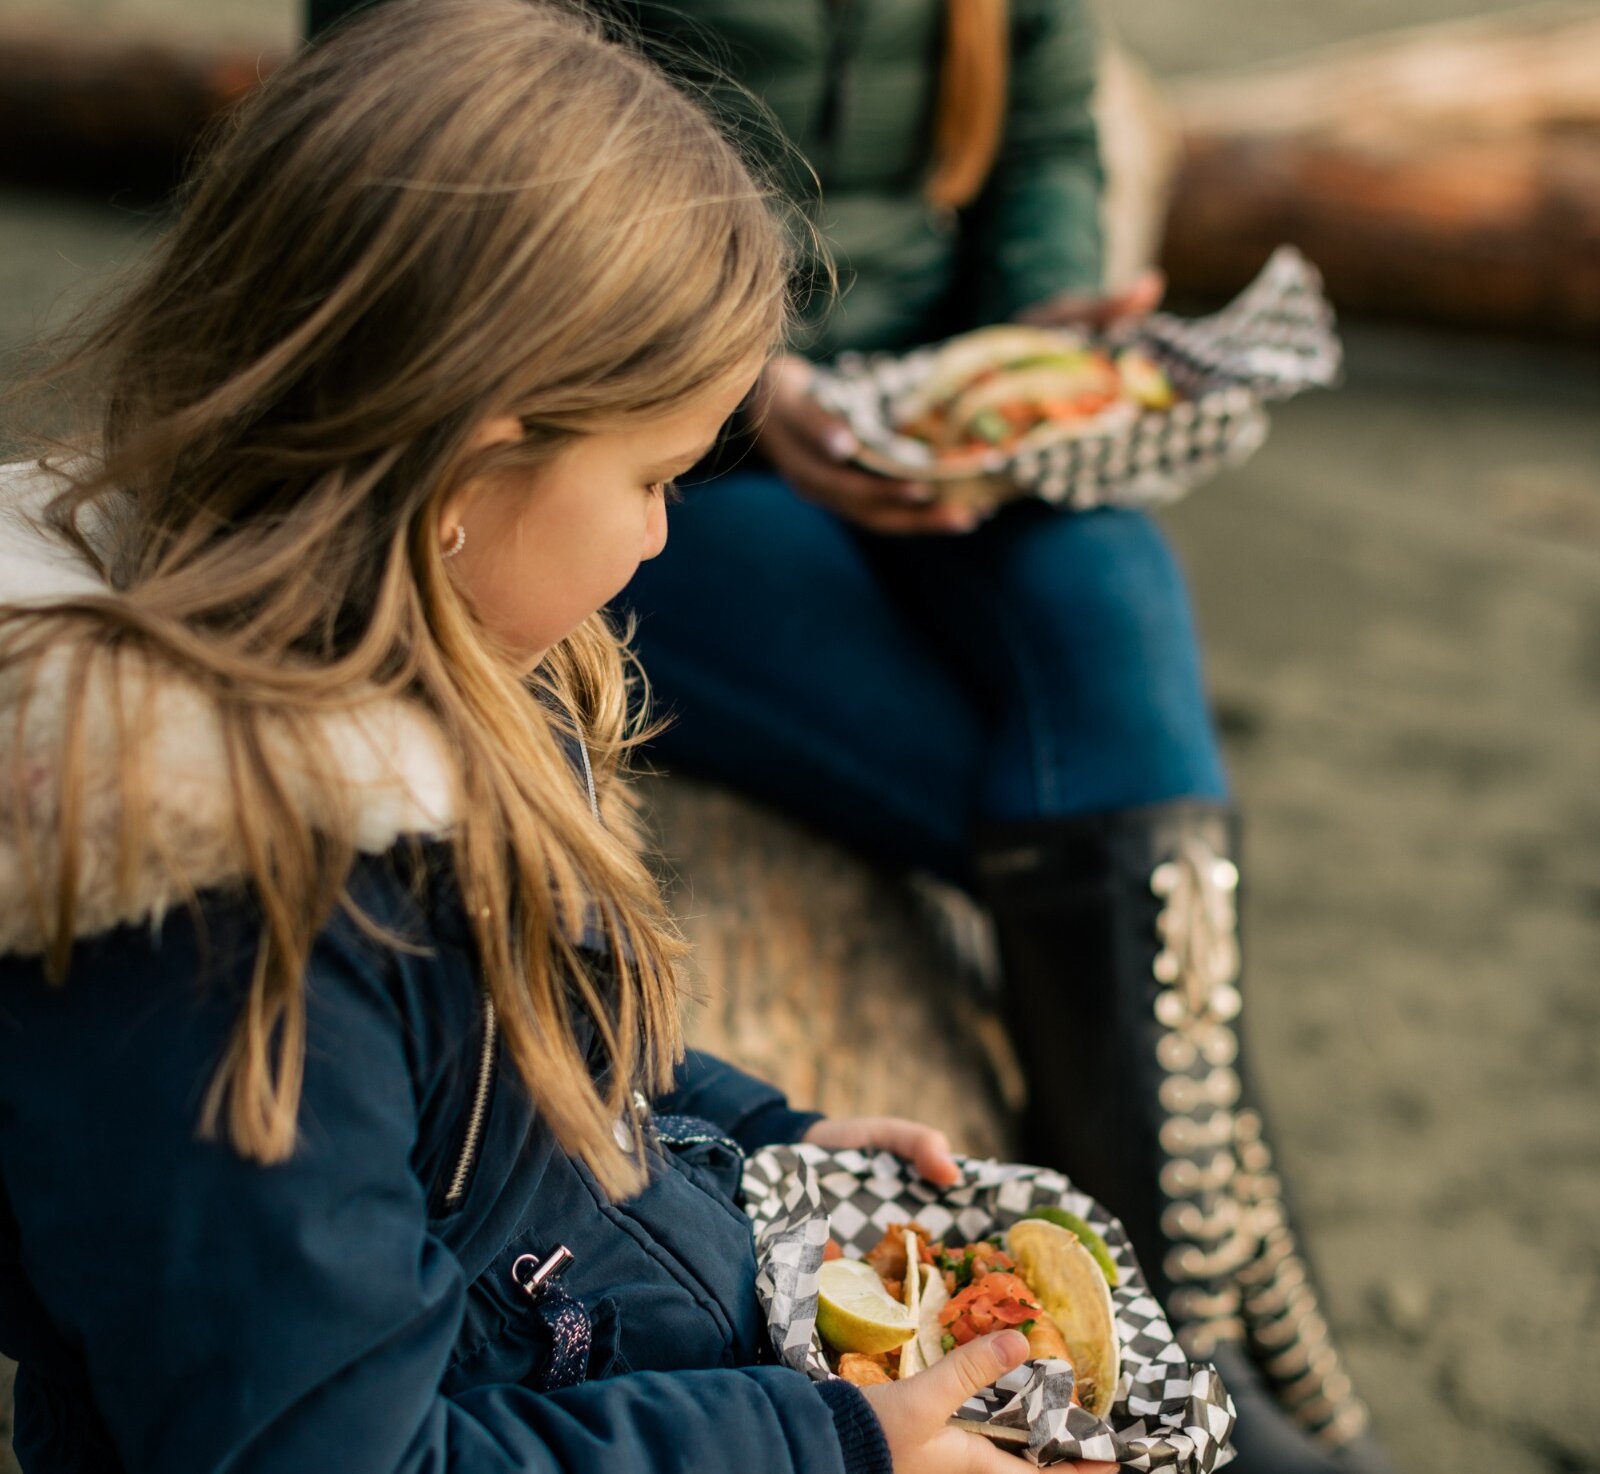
(836, 981)
(1449, 173)
(109, 110)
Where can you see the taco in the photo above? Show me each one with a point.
(1002, 389)
(1073, 1290)
(1038, 1278)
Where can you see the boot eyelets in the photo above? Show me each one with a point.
(1180, 1178)
(1219, 1046)
(1319, 1378)
(1179, 1094)
(1175, 1053)
(1222, 1087)
(1232, 1261)
(1350, 1422)
(1253, 1155)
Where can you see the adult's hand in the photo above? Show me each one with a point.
(811, 450)
(1097, 313)
(915, 1413)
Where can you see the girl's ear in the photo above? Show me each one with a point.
(499, 430)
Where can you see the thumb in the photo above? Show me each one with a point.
(971, 1368)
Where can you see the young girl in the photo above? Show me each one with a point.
(343, 1115)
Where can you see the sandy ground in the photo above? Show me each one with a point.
(1401, 597)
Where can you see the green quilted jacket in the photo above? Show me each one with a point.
(853, 86)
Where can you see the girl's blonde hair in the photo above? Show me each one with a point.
(450, 210)
(970, 117)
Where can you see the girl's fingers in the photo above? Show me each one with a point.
(925, 1147)
(968, 1370)
(934, 1160)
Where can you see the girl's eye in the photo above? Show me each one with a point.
(667, 490)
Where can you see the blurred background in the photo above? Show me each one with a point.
(1400, 597)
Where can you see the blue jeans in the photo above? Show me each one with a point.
(897, 691)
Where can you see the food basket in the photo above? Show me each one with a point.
(1275, 340)
(1167, 1412)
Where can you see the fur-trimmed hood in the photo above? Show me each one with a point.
(390, 753)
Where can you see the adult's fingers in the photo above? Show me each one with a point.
(909, 521)
(1141, 296)
(805, 461)
(879, 503)
(804, 417)
(1080, 309)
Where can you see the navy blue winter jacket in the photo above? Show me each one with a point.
(175, 1308)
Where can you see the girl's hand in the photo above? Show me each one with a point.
(811, 449)
(915, 1413)
(927, 1149)
(1081, 310)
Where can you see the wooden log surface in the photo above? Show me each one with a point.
(110, 110)
(1449, 173)
(823, 975)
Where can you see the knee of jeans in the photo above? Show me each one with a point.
(1107, 575)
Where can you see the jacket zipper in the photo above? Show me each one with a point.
(480, 1107)
(480, 1096)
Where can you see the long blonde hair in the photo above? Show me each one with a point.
(447, 211)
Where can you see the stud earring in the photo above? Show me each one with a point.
(459, 543)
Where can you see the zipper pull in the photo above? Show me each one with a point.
(532, 1274)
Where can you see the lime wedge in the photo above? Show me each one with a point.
(1085, 1236)
(855, 1313)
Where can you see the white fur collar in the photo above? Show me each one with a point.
(390, 753)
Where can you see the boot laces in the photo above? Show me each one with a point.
(1234, 1260)
(1210, 1237)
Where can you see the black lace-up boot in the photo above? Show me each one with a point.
(1119, 947)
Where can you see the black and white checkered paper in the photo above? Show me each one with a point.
(1168, 1413)
(1271, 342)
